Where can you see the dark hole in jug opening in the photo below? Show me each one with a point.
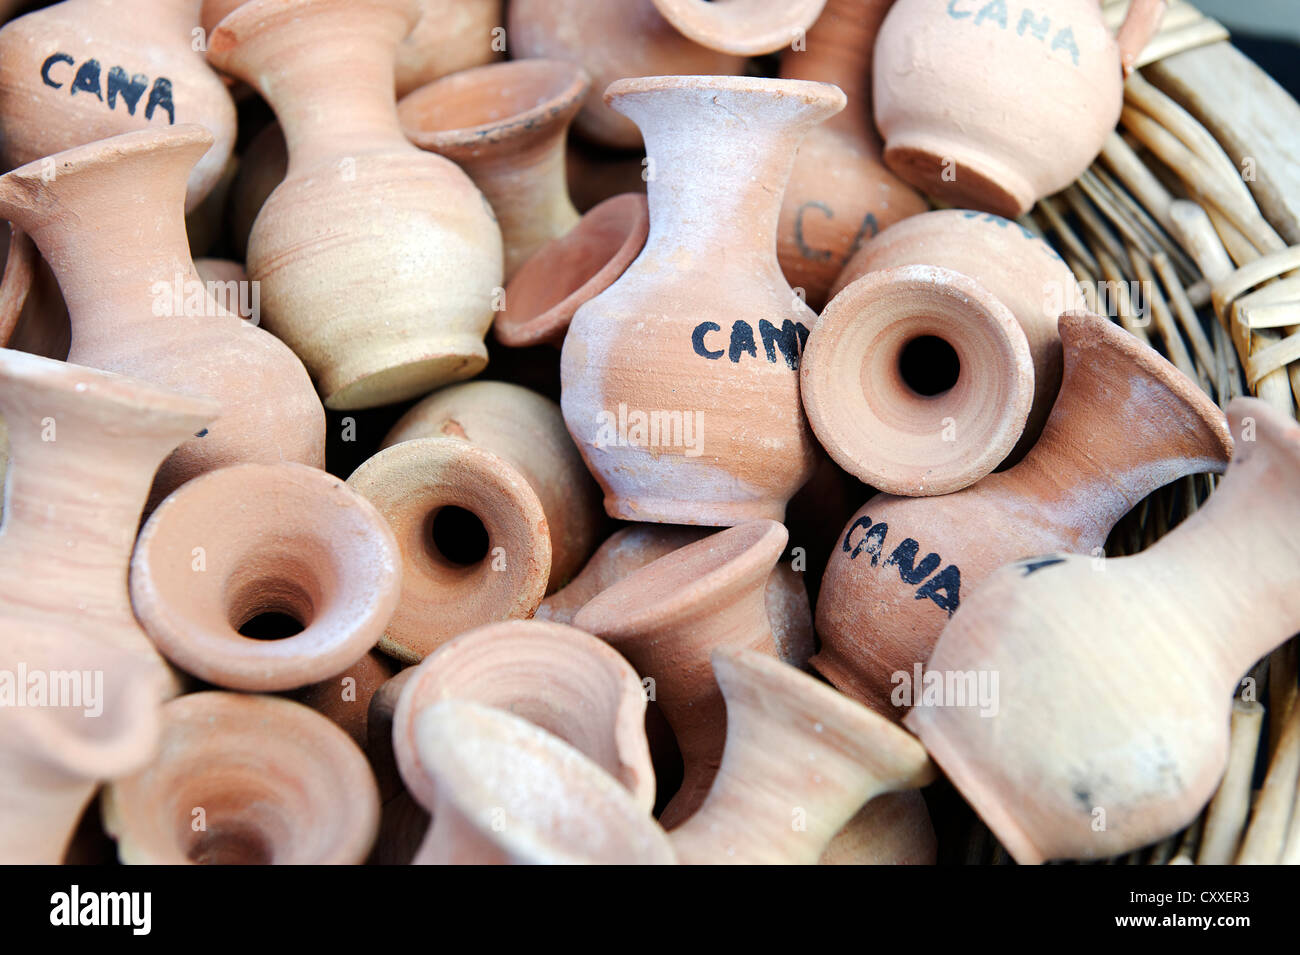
(458, 536)
(929, 365)
(272, 625)
(230, 846)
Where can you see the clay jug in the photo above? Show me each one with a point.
(628, 550)
(475, 757)
(1116, 682)
(83, 447)
(273, 783)
(505, 124)
(109, 224)
(1019, 268)
(252, 540)
(840, 193)
(411, 250)
(992, 107)
(1126, 422)
(706, 303)
(557, 677)
(567, 272)
(85, 70)
(611, 40)
(474, 541)
(667, 617)
(742, 27)
(917, 380)
(800, 761)
(526, 430)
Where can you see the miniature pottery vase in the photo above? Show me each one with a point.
(1117, 682)
(892, 829)
(1018, 267)
(377, 261)
(477, 755)
(716, 435)
(110, 226)
(85, 70)
(505, 124)
(840, 193)
(527, 431)
(917, 380)
(570, 271)
(474, 541)
(611, 40)
(245, 780)
(742, 27)
(800, 761)
(563, 680)
(991, 108)
(257, 539)
(345, 697)
(82, 448)
(1126, 422)
(667, 617)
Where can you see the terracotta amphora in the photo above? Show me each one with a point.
(1126, 422)
(505, 124)
(256, 539)
(716, 435)
(84, 70)
(611, 40)
(83, 447)
(1019, 268)
(917, 380)
(474, 540)
(571, 810)
(110, 226)
(667, 617)
(800, 761)
(378, 262)
(840, 193)
(992, 106)
(243, 779)
(526, 430)
(567, 682)
(1116, 677)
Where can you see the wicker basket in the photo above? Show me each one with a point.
(1186, 230)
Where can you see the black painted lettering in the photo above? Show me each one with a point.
(49, 64)
(742, 342)
(904, 558)
(697, 340)
(944, 588)
(161, 96)
(87, 80)
(131, 88)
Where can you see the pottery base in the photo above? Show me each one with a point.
(959, 174)
(662, 510)
(400, 372)
(952, 761)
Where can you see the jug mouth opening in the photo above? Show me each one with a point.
(819, 101)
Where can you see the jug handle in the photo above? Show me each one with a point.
(1140, 24)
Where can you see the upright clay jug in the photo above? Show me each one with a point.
(800, 761)
(1117, 680)
(109, 224)
(993, 107)
(83, 447)
(505, 124)
(85, 70)
(680, 381)
(611, 40)
(1126, 422)
(840, 193)
(378, 262)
